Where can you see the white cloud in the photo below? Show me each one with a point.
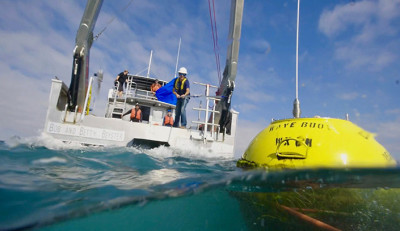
(253, 87)
(366, 33)
(245, 107)
(261, 46)
(389, 137)
(348, 96)
(247, 130)
(395, 111)
(333, 22)
(258, 96)
(356, 56)
(23, 104)
(386, 126)
(31, 53)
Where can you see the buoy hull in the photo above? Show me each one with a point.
(315, 143)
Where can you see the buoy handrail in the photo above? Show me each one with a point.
(293, 155)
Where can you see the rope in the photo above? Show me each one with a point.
(109, 22)
(216, 42)
(312, 221)
(213, 23)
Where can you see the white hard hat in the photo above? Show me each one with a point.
(182, 70)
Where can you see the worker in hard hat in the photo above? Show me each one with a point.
(182, 92)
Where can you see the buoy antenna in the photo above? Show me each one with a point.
(296, 103)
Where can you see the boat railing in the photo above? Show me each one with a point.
(131, 89)
(118, 105)
(88, 97)
(115, 92)
(210, 129)
(145, 94)
(69, 116)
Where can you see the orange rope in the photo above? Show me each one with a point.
(318, 211)
(308, 219)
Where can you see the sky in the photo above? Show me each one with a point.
(348, 58)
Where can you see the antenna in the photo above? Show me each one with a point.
(177, 57)
(296, 103)
(148, 69)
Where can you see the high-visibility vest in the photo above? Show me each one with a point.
(168, 120)
(136, 114)
(177, 88)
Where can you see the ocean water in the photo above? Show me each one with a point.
(57, 187)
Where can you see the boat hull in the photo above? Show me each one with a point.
(107, 131)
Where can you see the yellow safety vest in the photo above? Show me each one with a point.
(182, 84)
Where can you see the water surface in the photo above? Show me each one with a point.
(56, 187)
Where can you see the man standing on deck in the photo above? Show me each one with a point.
(121, 79)
(182, 92)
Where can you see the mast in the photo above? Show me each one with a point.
(148, 69)
(229, 75)
(177, 57)
(296, 103)
(80, 65)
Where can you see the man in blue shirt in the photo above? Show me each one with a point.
(182, 92)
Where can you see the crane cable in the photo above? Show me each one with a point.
(214, 32)
(110, 21)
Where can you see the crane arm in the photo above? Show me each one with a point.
(81, 53)
(229, 75)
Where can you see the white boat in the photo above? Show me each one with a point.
(69, 119)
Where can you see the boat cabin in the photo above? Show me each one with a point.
(137, 90)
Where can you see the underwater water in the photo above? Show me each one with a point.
(56, 187)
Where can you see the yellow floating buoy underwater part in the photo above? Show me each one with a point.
(315, 143)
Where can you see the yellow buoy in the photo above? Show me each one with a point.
(315, 143)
